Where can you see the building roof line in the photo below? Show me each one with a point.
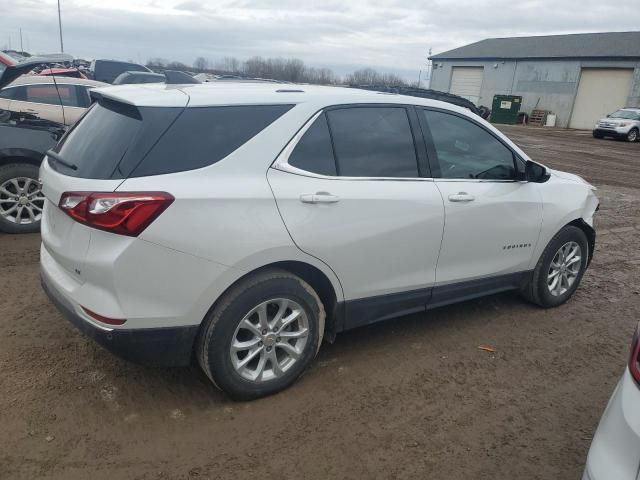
(604, 45)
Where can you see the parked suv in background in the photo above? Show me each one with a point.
(108, 70)
(241, 224)
(624, 123)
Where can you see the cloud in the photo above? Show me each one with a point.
(393, 35)
(190, 6)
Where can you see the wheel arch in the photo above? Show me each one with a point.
(316, 278)
(20, 155)
(589, 231)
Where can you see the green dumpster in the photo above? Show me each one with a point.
(505, 109)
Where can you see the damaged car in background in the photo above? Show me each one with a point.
(26, 133)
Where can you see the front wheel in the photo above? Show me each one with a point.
(632, 136)
(560, 269)
(21, 198)
(261, 335)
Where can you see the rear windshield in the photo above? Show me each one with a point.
(116, 141)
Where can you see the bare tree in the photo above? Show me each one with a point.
(369, 76)
(284, 69)
(177, 66)
(157, 62)
(201, 64)
(228, 64)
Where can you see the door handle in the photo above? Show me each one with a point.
(319, 197)
(461, 197)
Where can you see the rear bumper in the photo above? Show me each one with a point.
(169, 347)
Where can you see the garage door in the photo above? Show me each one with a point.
(600, 91)
(466, 82)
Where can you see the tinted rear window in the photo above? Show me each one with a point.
(109, 136)
(373, 142)
(202, 136)
(115, 141)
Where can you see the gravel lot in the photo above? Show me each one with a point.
(413, 398)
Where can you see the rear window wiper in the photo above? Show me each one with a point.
(62, 161)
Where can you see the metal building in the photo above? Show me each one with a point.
(579, 77)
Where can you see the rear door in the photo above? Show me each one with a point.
(492, 219)
(41, 100)
(360, 203)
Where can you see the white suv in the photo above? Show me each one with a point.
(239, 224)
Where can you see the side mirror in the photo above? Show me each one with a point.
(608, 115)
(535, 173)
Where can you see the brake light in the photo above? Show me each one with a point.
(126, 213)
(634, 359)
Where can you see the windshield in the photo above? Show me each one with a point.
(628, 114)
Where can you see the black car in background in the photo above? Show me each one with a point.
(108, 70)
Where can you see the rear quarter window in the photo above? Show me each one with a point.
(202, 136)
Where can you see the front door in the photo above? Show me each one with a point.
(492, 221)
(365, 211)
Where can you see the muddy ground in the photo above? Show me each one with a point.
(413, 398)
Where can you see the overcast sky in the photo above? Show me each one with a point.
(392, 35)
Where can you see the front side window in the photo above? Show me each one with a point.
(7, 93)
(373, 142)
(18, 93)
(467, 151)
(314, 152)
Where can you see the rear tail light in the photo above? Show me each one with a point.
(634, 359)
(126, 213)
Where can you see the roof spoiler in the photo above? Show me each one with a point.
(97, 95)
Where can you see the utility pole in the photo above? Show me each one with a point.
(60, 28)
(429, 67)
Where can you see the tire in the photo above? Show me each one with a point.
(537, 289)
(272, 289)
(597, 135)
(20, 181)
(632, 136)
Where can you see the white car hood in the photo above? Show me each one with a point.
(570, 176)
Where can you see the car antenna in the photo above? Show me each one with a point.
(64, 120)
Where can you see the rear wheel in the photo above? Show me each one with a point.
(21, 198)
(560, 268)
(632, 136)
(262, 335)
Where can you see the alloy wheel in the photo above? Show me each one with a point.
(269, 340)
(632, 136)
(564, 268)
(21, 200)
